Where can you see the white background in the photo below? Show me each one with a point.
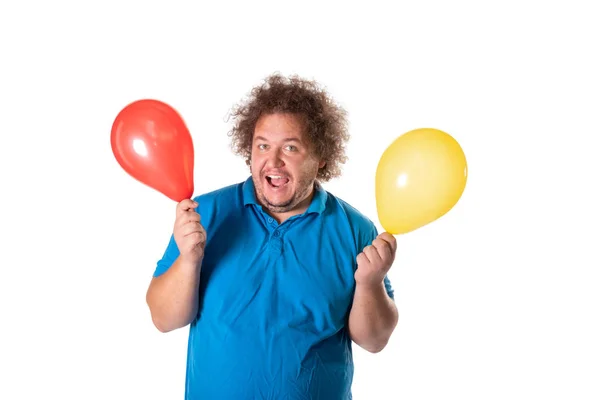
(498, 299)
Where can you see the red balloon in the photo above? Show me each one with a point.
(152, 144)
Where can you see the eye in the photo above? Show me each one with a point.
(262, 146)
(291, 148)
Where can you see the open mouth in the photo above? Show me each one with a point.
(277, 181)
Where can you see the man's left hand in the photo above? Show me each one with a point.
(376, 260)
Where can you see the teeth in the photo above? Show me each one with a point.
(274, 176)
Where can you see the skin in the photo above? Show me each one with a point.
(173, 296)
(279, 149)
(374, 315)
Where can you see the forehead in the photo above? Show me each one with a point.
(280, 126)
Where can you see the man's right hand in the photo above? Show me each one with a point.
(189, 234)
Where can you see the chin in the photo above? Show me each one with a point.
(278, 202)
(280, 206)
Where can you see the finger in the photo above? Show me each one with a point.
(384, 248)
(391, 239)
(361, 258)
(372, 254)
(188, 216)
(191, 227)
(197, 238)
(186, 205)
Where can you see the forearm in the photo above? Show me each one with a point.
(173, 296)
(373, 317)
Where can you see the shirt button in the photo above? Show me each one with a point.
(270, 220)
(276, 233)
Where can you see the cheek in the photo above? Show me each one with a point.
(310, 165)
(256, 163)
(305, 169)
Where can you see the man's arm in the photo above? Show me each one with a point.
(173, 296)
(374, 315)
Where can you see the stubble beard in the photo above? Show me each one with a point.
(303, 190)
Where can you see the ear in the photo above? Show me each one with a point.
(322, 164)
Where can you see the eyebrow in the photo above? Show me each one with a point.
(290, 139)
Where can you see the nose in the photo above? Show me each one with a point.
(275, 159)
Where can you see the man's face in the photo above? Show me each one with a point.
(283, 164)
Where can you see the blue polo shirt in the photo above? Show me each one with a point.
(274, 298)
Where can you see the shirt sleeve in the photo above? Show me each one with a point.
(170, 255)
(388, 287)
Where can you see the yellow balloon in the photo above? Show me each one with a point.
(420, 177)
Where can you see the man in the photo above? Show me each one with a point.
(275, 275)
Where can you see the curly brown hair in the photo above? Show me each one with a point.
(326, 125)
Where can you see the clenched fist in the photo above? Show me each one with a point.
(376, 260)
(189, 234)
